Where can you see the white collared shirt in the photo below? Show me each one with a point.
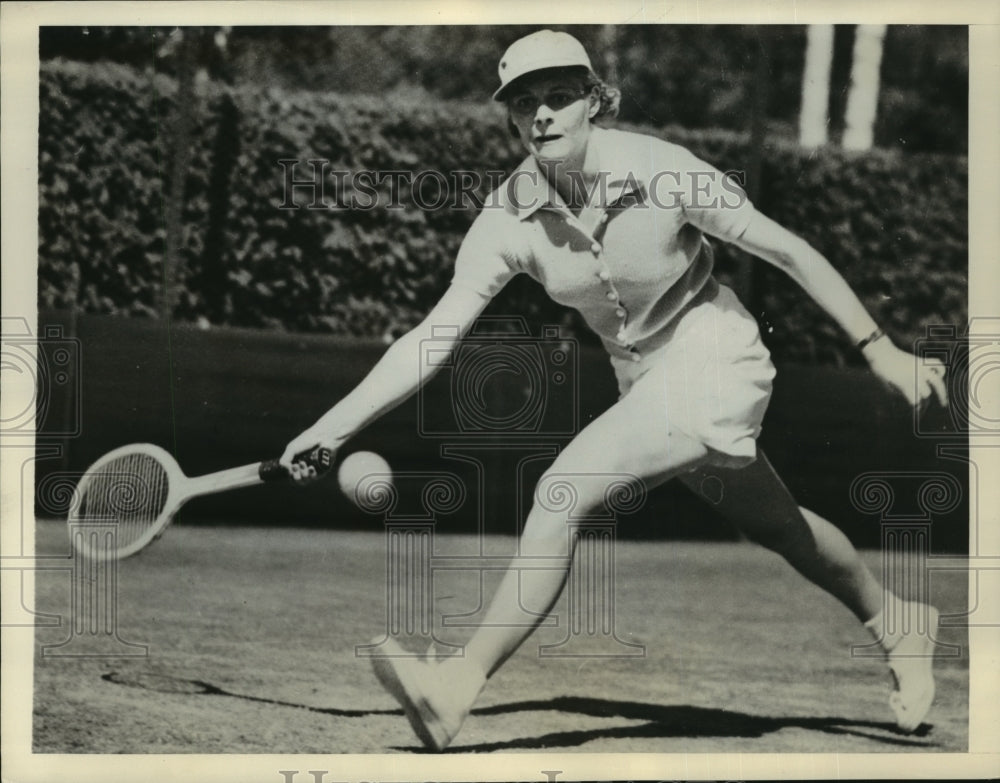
(634, 256)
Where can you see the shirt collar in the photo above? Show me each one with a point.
(529, 190)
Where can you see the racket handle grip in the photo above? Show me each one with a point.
(320, 458)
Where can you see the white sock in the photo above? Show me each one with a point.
(887, 626)
(909, 645)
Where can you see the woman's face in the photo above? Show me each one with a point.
(552, 115)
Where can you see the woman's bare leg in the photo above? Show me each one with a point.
(626, 441)
(756, 500)
(758, 503)
(546, 535)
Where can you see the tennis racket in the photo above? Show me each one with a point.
(141, 487)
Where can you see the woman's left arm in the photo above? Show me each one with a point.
(917, 380)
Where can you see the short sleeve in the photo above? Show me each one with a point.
(713, 201)
(486, 259)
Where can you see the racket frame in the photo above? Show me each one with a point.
(180, 489)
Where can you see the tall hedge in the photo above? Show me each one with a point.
(895, 225)
(102, 152)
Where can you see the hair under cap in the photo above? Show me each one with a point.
(536, 52)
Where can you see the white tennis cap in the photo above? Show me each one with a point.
(535, 52)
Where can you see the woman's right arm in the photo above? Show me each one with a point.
(398, 374)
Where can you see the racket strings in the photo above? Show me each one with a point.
(132, 490)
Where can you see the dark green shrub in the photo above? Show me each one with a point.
(894, 225)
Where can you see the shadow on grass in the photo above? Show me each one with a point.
(678, 721)
(165, 683)
(660, 720)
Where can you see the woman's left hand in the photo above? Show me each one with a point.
(916, 379)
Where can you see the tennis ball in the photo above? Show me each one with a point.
(366, 479)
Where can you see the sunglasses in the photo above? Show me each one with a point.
(556, 99)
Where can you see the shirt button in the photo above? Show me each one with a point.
(604, 218)
(620, 312)
(621, 337)
(596, 247)
(604, 275)
(636, 357)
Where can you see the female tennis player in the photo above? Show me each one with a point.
(612, 224)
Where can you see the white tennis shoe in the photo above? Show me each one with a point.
(910, 655)
(436, 697)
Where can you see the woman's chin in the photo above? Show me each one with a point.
(553, 152)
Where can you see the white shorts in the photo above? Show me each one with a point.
(714, 375)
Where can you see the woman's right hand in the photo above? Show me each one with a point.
(396, 376)
(316, 435)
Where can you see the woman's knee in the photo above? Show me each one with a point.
(565, 491)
